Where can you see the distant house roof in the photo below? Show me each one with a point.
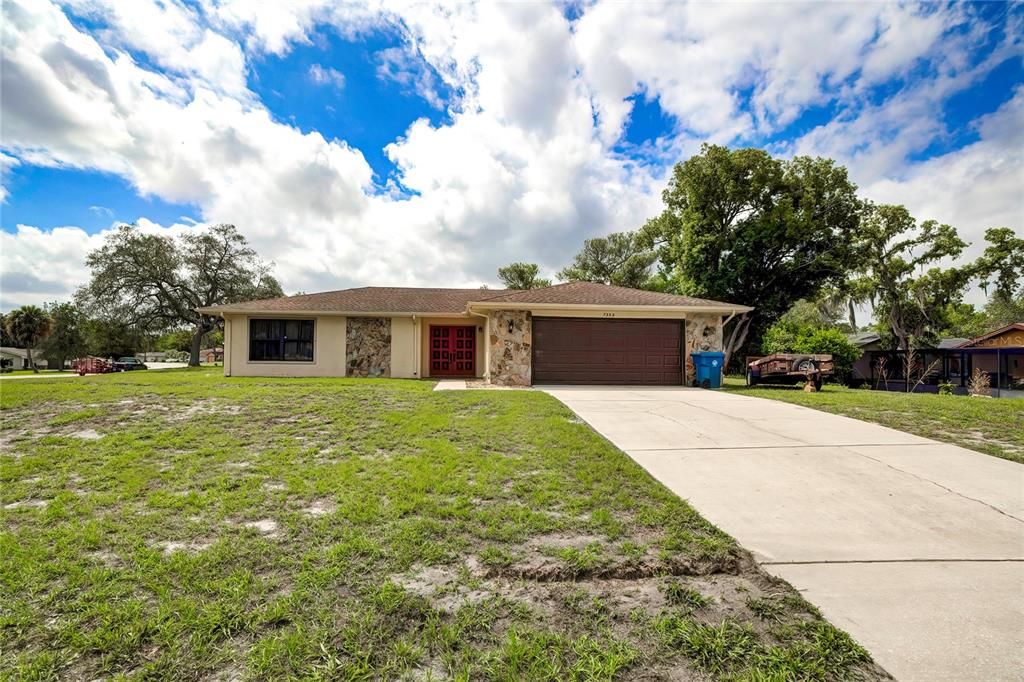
(10, 350)
(988, 339)
(404, 300)
(863, 338)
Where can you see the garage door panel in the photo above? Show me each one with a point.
(596, 351)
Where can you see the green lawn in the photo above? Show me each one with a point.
(990, 425)
(180, 525)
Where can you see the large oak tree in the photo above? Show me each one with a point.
(154, 282)
(899, 274)
(744, 227)
(1001, 266)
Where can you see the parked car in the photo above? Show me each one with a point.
(128, 364)
(789, 369)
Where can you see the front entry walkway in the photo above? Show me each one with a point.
(916, 548)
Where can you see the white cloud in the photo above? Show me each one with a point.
(171, 33)
(524, 169)
(6, 164)
(31, 256)
(405, 67)
(973, 188)
(322, 75)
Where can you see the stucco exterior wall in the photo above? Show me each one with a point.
(703, 332)
(426, 322)
(510, 335)
(368, 347)
(328, 349)
(403, 348)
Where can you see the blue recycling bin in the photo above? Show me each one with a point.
(708, 367)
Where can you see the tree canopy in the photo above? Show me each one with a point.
(522, 276)
(741, 226)
(1001, 266)
(910, 307)
(153, 282)
(67, 338)
(620, 258)
(27, 326)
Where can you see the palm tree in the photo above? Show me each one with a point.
(27, 327)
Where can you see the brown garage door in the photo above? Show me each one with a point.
(581, 351)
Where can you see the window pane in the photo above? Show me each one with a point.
(281, 340)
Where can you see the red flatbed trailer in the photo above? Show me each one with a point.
(789, 368)
(92, 365)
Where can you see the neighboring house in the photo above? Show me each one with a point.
(18, 358)
(868, 343)
(211, 355)
(1000, 353)
(575, 333)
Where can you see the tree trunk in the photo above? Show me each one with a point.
(197, 339)
(31, 363)
(736, 338)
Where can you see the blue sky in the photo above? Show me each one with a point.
(427, 145)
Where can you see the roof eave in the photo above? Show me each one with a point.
(328, 313)
(723, 308)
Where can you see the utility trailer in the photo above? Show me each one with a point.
(789, 369)
(92, 365)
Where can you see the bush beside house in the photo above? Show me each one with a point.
(792, 337)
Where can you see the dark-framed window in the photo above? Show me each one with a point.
(280, 340)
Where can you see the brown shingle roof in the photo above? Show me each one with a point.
(368, 300)
(592, 293)
(969, 343)
(455, 301)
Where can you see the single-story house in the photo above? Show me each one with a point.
(865, 369)
(999, 353)
(17, 358)
(574, 333)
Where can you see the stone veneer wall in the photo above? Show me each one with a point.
(510, 351)
(368, 347)
(703, 332)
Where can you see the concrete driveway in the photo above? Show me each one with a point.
(914, 547)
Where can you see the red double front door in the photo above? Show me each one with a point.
(452, 351)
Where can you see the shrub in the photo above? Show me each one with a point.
(946, 388)
(789, 337)
(980, 383)
(782, 337)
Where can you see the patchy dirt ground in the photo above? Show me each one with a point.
(212, 528)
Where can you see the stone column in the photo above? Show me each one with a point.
(510, 338)
(368, 347)
(703, 332)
